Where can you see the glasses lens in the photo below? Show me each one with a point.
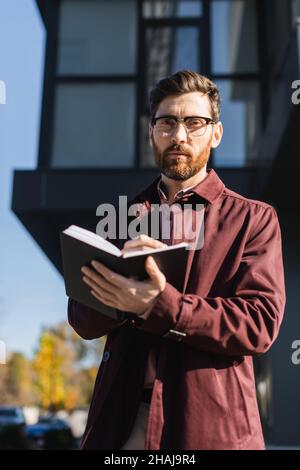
(165, 124)
(196, 126)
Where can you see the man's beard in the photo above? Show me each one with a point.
(178, 169)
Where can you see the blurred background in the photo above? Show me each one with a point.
(73, 134)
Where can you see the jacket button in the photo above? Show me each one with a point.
(106, 356)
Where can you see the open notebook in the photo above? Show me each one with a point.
(80, 246)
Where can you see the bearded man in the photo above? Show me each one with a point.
(177, 373)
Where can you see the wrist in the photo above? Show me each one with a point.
(145, 313)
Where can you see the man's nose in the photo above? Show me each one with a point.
(180, 133)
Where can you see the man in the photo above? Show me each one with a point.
(178, 373)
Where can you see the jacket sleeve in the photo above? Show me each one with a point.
(244, 324)
(90, 323)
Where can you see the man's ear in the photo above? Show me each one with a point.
(217, 135)
(150, 133)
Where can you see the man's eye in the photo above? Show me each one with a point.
(195, 122)
(167, 122)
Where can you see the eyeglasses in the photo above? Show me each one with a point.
(195, 126)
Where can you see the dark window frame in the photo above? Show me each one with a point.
(52, 78)
(205, 51)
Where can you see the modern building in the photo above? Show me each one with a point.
(102, 57)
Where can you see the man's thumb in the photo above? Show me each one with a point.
(155, 274)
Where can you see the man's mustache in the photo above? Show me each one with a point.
(177, 149)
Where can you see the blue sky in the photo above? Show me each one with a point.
(31, 290)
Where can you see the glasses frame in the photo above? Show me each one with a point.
(183, 120)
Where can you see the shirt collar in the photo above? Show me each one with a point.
(209, 189)
(177, 195)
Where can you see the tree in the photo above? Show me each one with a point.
(65, 368)
(48, 366)
(16, 381)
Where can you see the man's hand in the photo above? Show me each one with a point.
(143, 242)
(128, 295)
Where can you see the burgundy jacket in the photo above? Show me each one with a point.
(204, 393)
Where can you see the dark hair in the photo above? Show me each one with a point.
(185, 81)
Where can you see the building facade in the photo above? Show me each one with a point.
(102, 57)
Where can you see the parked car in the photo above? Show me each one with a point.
(12, 428)
(51, 432)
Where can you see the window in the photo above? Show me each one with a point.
(110, 53)
(97, 37)
(235, 68)
(94, 126)
(95, 92)
(234, 36)
(172, 37)
(172, 8)
(169, 49)
(241, 118)
(295, 9)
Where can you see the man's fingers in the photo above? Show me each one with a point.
(108, 274)
(142, 242)
(98, 287)
(155, 274)
(107, 301)
(104, 277)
